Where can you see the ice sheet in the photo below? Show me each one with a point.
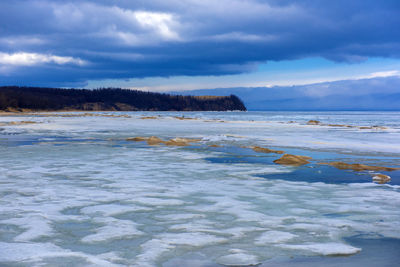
(73, 189)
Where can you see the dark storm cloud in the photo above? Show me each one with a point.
(68, 42)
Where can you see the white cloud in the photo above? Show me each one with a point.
(30, 59)
(134, 27)
(244, 37)
(127, 38)
(21, 40)
(68, 16)
(162, 23)
(383, 74)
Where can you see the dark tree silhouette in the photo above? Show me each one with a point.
(37, 98)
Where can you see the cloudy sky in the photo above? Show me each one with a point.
(164, 45)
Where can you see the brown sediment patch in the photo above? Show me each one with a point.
(381, 178)
(13, 110)
(20, 122)
(176, 142)
(16, 110)
(375, 127)
(357, 167)
(234, 135)
(14, 114)
(216, 120)
(266, 150)
(149, 118)
(184, 118)
(379, 127)
(191, 140)
(5, 113)
(313, 122)
(87, 114)
(137, 139)
(293, 160)
(153, 140)
(68, 115)
(339, 125)
(214, 145)
(181, 141)
(119, 116)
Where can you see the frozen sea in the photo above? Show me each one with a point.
(74, 192)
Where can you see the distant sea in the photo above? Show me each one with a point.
(75, 192)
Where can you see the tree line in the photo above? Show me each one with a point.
(38, 98)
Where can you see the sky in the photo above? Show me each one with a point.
(175, 45)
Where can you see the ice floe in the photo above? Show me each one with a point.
(72, 189)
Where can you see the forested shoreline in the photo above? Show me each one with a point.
(13, 98)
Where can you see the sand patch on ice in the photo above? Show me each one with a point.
(293, 160)
(357, 167)
(153, 140)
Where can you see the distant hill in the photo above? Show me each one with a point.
(378, 94)
(14, 98)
